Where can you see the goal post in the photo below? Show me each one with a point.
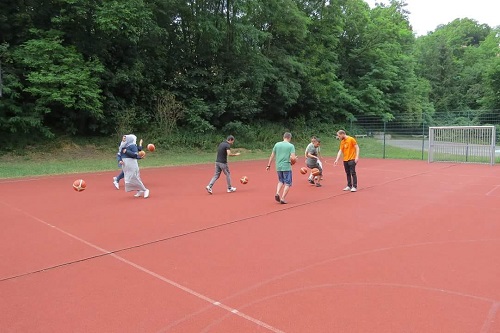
(462, 144)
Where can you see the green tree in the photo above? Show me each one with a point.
(59, 83)
(448, 60)
(323, 95)
(488, 55)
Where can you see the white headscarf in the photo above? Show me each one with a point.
(130, 139)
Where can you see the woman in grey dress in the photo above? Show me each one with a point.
(130, 155)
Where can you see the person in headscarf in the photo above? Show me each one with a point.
(116, 180)
(130, 167)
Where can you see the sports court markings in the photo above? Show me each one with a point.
(153, 274)
(194, 293)
(493, 190)
(292, 206)
(491, 318)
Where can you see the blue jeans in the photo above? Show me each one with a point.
(221, 167)
(120, 176)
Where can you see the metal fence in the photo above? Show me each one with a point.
(465, 144)
(406, 137)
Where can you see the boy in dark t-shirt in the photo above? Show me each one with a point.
(223, 151)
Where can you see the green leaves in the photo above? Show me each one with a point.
(58, 78)
(90, 66)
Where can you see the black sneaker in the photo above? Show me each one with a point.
(318, 185)
(311, 181)
(277, 197)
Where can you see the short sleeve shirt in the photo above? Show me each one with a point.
(282, 151)
(313, 151)
(348, 148)
(222, 152)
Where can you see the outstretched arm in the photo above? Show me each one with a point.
(228, 151)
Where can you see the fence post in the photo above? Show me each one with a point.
(423, 139)
(385, 122)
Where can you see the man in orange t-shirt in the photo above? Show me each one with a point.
(350, 150)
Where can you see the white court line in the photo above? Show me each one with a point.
(491, 318)
(151, 273)
(495, 188)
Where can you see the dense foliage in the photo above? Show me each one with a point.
(95, 67)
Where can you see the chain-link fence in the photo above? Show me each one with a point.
(406, 137)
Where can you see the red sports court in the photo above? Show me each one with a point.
(414, 250)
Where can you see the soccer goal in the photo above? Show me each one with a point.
(462, 144)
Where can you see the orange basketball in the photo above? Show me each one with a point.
(293, 160)
(244, 180)
(151, 147)
(79, 185)
(303, 170)
(142, 153)
(315, 172)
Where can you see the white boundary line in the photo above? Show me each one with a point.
(494, 188)
(153, 274)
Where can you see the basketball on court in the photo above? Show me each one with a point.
(79, 185)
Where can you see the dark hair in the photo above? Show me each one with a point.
(230, 138)
(318, 140)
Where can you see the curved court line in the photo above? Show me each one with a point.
(290, 206)
(183, 319)
(485, 328)
(491, 318)
(113, 253)
(352, 255)
(159, 277)
(348, 256)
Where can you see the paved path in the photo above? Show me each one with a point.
(417, 144)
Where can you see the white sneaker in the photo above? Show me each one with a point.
(115, 182)
(209, 189)
(347, 188)
(146, 194)
(232, 189)
(353, 189)
(138, 194)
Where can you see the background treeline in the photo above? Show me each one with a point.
(102, 67)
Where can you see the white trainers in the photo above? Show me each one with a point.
(209, 189)
(115, 182)
(347, 188)
(232, 189)
(146, 194)
(353, 189)
(138, 194)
